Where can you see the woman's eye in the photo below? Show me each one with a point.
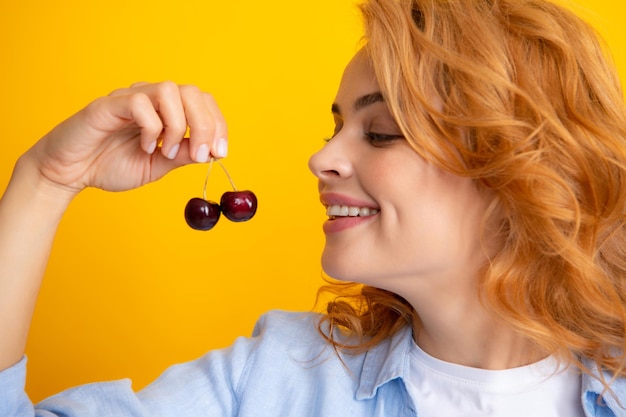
(381, 138)
(378, 139)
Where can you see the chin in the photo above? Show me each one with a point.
(346, 268)
(337, 269)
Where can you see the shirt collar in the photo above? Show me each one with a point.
(592, 388)
(386, 361)
(389, 360)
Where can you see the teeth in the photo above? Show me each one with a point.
(345, 211)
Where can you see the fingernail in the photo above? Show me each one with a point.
(202, 155)
(173, 152)
(152, 147)
(221, 148)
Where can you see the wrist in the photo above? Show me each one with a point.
(29, 185)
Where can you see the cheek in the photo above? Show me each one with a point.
(390, 173)
(456, 211)
(435, 211)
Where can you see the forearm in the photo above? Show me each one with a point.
(30, 211)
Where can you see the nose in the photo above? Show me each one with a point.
(332, 162)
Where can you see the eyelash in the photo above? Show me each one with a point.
(381, 137)
(374, 137)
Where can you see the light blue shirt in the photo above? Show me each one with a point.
(285, 369)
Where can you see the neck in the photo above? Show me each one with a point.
(454, 326)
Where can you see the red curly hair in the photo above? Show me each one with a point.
(532, 109)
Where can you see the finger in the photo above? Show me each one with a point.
(162, 165)
(142, 111)
(166, 99)
(201, 122)
(220, 144)
(119, 92)
(113, 113)
(126, 90)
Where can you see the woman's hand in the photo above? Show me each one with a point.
(131, 137)
(122, 141)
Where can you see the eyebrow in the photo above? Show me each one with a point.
(361, 102)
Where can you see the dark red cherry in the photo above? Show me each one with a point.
(201, 214)
(238, 206)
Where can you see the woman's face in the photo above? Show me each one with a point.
(394, 218)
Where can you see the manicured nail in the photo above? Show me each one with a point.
(221, 148)
(173, 152)
(152, 147)
(202, 155)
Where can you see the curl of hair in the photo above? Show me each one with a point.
(521, 96)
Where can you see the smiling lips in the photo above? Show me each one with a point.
(342, 217)
(335, 211)
(345, 212)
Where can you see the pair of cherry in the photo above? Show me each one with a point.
(237, 206)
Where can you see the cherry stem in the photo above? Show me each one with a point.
(206, 180)
(227, 174)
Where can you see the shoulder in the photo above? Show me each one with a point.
(253, 370)
(288, 335)
(301, 335)
(286, 353)
(280, 323)
(296, 338)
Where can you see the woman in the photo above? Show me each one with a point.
(475, 184)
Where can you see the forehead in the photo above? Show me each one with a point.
(358, 80)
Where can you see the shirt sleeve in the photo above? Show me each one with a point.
(13, 399)
(207, 386)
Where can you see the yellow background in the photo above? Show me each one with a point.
(130, 289)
